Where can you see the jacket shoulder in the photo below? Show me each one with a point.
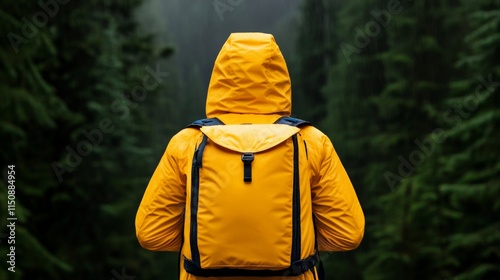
(310, 132)
(182, 140)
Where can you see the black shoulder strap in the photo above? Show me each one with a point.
(206, 122)
(292, 121)
(283, 120)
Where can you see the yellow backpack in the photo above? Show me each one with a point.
(248, 201)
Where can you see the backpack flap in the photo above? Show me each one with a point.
(249, 138)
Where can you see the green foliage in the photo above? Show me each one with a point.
(416, 98)
(469, 180)
(403, 101)
(75, 116)
(428, 219)
(315, 42)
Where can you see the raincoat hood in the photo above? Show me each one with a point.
(249, 77)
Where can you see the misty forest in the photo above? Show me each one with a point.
(92, 91)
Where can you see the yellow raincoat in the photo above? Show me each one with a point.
(250, 84)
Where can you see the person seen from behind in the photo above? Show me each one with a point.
(250, 193)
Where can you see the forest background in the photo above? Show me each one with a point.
(91, 92)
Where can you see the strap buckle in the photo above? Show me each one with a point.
(247, 159)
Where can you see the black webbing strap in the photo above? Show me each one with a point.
(291, 121)
(297, 123)
(297, 268)
(195, 181)
(296, 224)
(205, 122)
(195, 185)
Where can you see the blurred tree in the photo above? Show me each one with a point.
(468, 160)
(88, 104)
(355, 76)
(419, 229)
(315, 42)
(417, 70)
(30, 112)
(77, 114)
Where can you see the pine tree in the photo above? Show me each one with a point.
(355, 77)
(30, 112)
(77, 118)
(314, 56)
(469, 165)
(418, 222)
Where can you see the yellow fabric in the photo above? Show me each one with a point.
(249, 138)
(250, 84)
(232, 230)
(249, 77)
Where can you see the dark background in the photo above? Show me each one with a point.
(406, 90)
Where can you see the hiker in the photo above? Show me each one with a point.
(249, 192)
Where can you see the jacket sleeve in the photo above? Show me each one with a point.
(159, 220)
(338, 215)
